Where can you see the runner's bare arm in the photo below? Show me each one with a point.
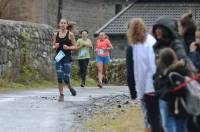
(110, 47)
(90, 44)
(78, 44)
(55, 45)
(72, 38)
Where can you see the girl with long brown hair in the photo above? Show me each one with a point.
(144, 68)
(64, 42)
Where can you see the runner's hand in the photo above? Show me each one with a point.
(108, 48)
(79, 46)
(84, 45)
(193, 47)
(56, 45)
(66, 47)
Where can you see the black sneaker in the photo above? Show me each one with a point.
(73, 91)
(100, 85)
(82, 85)
(105, 80)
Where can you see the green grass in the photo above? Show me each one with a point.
(11, 86)
(89, 82)
(128, 119)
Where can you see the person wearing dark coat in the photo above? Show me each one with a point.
(169, 64)
(130, 74)
(165, 32)
(170, 37)
(191, 34)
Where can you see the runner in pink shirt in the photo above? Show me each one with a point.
(103, 46)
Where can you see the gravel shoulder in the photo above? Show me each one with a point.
(108, 106)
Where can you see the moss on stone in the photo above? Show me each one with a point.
(24, 72)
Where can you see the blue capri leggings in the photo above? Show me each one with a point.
(104, 60)
(63, 70)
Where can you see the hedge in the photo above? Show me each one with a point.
(116, 72)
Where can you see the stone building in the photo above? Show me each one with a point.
(88, 14)
(149, 10)
(110, 16)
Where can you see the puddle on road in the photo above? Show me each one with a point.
(80, 99)
(6, 99)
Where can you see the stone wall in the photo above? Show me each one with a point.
(90, 14)
(36, 39)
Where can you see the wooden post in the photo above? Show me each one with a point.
(60, 7)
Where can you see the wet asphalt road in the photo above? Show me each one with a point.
(40, 111)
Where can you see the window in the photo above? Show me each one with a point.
(118, 8)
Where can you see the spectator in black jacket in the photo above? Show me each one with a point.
(130, 75)
(194, 54)
(164, 30)
(168, 64)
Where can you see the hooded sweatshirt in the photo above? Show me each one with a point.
(175, 42)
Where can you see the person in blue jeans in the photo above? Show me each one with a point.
(172, 124)
(165, 32)
(63, 43)
(167, 120)
(174, 117)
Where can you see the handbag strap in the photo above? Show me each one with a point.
(184, 84)
(171, 74)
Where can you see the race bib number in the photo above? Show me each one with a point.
(83, 53)
(101, 51)
(59, 56)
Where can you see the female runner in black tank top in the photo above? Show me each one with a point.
(64, 40)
